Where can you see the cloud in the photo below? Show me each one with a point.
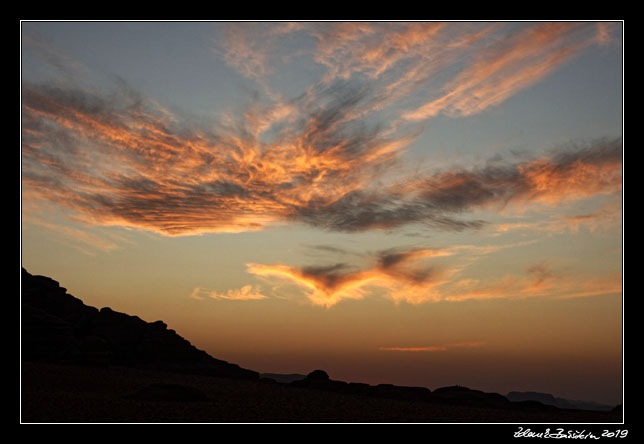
(437, 199)
(245, 293)
(121, 159)
(457, 69)
(330, 249)
(249, 47)
(80, 239)
(370, 48)
(434, 348)
(196, 294)
(607, 216)
(327, 158)
(398, 272)
(502, 69)
(46, 52)
(594, 285)
(568, 174)
(420, 275)
(605, 32)
(88, 240)
(539, 280)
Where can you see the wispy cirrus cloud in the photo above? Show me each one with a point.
(506, 67)
(605, 217)
(539, 280)
(53, 56)
(249, 47)
(487, 62)
(245, 293)
(435, 348)
(82, 240)
(118, 158)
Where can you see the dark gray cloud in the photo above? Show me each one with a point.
(437, 199)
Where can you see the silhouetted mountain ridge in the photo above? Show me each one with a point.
(454, 395)
(57, 327)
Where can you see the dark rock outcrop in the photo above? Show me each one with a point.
(319, 380)
(57, 327)
(318, 375)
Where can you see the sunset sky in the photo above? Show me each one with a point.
(416, 203)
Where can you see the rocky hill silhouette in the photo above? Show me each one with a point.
(453, 395)
(81, 363)
(57, 327)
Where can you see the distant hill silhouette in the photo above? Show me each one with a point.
(57, 327)
(454, 395)
(548, 399)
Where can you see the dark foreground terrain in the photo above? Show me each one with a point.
(81, 364)
(69, 393)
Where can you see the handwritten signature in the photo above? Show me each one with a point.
(568, 434)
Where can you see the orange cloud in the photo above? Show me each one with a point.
(128, 162)
(538, 281)
(245, 293)
(607, 217)
(395, 271)
(593, 286)
(371, 48)
(247, 47)
(196, 294)
(604, 33)
(434, 348)
(501, 70)
(413, 276)
(119, 158)
(140, 167)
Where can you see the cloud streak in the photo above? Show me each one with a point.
(434, 348)
(539, 280)
(249, 47)
(245, 293)
(506, 67)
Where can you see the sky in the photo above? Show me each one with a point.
(417, 203)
